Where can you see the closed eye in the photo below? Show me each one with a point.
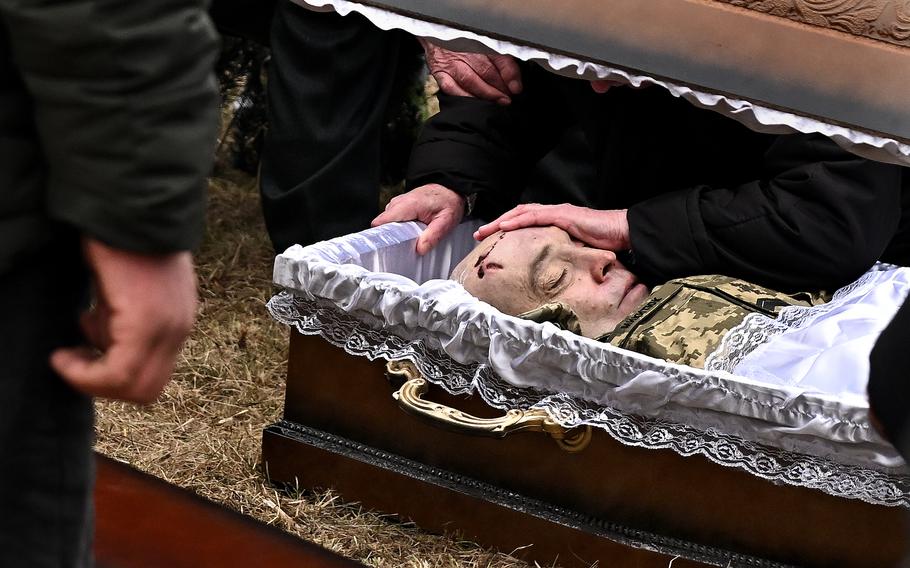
(553, 284)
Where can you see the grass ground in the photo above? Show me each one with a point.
(204, 433)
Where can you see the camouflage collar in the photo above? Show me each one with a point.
(556, 313)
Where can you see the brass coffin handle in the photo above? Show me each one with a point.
(409, 398)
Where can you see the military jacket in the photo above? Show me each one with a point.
(685, 319)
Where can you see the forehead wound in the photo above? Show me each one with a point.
(482, 257)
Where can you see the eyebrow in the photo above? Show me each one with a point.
(534, 269)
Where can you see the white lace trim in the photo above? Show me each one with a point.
(312, 316)
(757, 329)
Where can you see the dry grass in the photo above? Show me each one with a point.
(204, 433)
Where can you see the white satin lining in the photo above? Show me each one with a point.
(827, 348)
(753, 116)
(376, 276)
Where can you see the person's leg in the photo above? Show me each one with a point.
(329, 82)
(889, 386)
(46, 428)
(248, 19)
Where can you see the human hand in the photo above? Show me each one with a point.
(437, 206)
(144, 310)
(601, 86)
(608, 230)
(488, 77)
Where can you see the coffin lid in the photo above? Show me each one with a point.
(838, 67)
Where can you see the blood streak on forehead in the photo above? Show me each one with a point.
(479, 263)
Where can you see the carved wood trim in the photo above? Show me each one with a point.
(883, 20)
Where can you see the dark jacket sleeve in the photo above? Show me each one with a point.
(889, 389)
(126, 110)
(475, 146)
(819, 217)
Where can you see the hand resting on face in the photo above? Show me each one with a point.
(526, 271)
(521, 270)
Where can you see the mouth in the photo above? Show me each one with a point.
(633, 296)
(617, 277)
(629, 286)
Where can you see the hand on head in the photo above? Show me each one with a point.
(441, 209)
(540, 258)
(144, 310)
(608, 230)
(523, 269)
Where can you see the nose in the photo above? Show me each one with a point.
(598, 262)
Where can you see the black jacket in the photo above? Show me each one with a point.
(705, 194)
(108, 117)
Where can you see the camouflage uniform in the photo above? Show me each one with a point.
(684, 320)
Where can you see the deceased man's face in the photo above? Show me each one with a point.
(523, 269)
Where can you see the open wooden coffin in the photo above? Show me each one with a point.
(712, 483)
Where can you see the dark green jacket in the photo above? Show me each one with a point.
(108, 117)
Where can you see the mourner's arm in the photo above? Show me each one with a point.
(475, 147)
(819, 218)
(126, 111)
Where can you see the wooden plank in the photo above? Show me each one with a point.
(143, 522)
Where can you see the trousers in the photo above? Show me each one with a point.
(330, 80)
(46, 428)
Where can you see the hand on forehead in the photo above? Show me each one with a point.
(521, 270)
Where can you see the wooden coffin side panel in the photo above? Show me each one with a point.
(440, 500)
(651, 490)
